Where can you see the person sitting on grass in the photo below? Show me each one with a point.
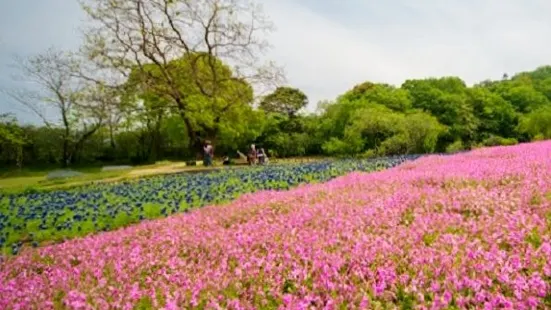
(261, 156)
(226, 161)
(265, 159)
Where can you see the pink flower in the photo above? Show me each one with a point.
(364, 304)
(135, 292)
(76, 300)
(450, 227)
(447, 297)
(532, 302)
(171, 305)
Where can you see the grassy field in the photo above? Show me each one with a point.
(17, 181)
(14, 181)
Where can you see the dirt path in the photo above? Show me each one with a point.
(172, 168)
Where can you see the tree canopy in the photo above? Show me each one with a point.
(208, 110)
(284, 100)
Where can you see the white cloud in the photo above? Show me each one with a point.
(395, 40)
(321, 56)
(328, 46)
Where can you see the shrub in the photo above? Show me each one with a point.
(368, 154)
(538, 137)
(335, 146)
(397, 144)
(455, 147)
(497, 140)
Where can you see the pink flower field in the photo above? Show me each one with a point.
(442, 232)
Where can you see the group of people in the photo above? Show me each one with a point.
(254, 156)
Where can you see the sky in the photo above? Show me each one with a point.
(328, 46)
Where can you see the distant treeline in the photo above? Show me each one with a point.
(421, 116)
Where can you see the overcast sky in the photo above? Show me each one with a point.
(328, 46)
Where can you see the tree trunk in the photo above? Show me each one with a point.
(157, 138)
(80, 143)
(194, 141)
(148, 141)
(65, 157)
(194, 144)
(112, 138)
(142, 147)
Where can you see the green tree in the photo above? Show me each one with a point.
(525, 98)
(544, 87)
(335, 116)
(370, 126)
(388, 132)
(337, 147)
(446, 99)
(208, 110)
(80, 106)
(423, 131)
(541, 80)
(284, 100)
(393, 98)
(11, 140)
(290, 136)
(537, 124)
(177, 48)
(497, 116)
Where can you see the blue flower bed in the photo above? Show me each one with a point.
(33, 218)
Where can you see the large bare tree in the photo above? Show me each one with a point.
(134, 35)
(57, 95)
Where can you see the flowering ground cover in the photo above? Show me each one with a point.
(33, 218)
(464, 231)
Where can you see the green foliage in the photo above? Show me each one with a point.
(368, 154)
(537, 123)
(423, 132)
(446, 99)
(430, 238)
(373, 125)
(285, 136)
(397, 144)
(11, 140)
(405, 300)
(389, 96)
(160, 119)
(525, 98)
(152, 211)
(284, 100)
(336, 147)
(456, 146)
(389, 132)
(497, 140)
(144, 303)
(533, 238)
(200, 90)
(497, 116)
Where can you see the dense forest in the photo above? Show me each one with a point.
(140, 91)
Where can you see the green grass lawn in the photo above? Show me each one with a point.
(37, 180)
(15, 181)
